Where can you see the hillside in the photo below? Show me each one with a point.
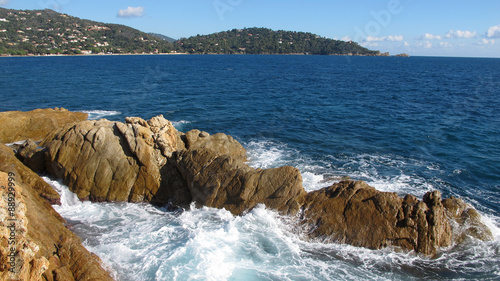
(267, 41)
(49, 32)
(39, 32)
(162, 37)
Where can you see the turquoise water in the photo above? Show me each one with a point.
(407, 125)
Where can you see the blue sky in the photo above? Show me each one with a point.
(417, 27)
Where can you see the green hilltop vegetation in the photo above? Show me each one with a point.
(46, 32)
(267, 41)
(162, 37)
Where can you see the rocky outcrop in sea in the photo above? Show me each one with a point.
(150, 161)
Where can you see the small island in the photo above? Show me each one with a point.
(257, 41)
(404, 55)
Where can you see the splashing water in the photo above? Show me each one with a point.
(143, 242)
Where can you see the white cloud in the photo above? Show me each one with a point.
(494, 32)
(460, 34)
(485, 41)
(445, 44)
(374, 39)
(426, 44)
(407, 44)
(346, 38)
(395, 38)
(131, 12)
(4, 2)
(369, 44)
(429, 36)
(391, 38)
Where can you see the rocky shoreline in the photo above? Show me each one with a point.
(150, 161)
(34, 241)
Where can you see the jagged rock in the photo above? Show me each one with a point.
(18, 252)
(150, 161)
(36, 124)
(27, 176)
(32, 155)
(164, 135)
(220, 143)
(44, 248)
(355, 213)
(112, 161)
(89, 155)
(223, 181)
(466, 221)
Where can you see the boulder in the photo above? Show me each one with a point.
(223, 181)
(113, 161)
(219, 143)
(27, 176)
(465, 221)
(355, 213)
(36, 124)
(150, 161)
(32, 155)
(43, 248)
(18, 253)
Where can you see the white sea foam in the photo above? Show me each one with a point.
(384, 172)
(68, 198)
(265, 154)
(493, 223)
(98, 114)
(142, 242)
(179, 125)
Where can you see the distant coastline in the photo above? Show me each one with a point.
(47, 32)
(168, 54)
(88, 55)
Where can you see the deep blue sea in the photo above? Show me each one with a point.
(406, 125)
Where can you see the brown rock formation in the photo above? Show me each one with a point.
(141, 160)
(112, 161)
(219, 143)
(32, 155)
(17, 251)
(465, 221)
(36, 124)
(150, 161)
(226, 182)
(355, 213)
(42, 248)
(27, 176)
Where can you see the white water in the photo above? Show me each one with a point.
(179, 125)
(98, 114)
(141, 242)
(384, 172)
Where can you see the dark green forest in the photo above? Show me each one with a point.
(40, 32)
(267, 41)
(48, 32)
